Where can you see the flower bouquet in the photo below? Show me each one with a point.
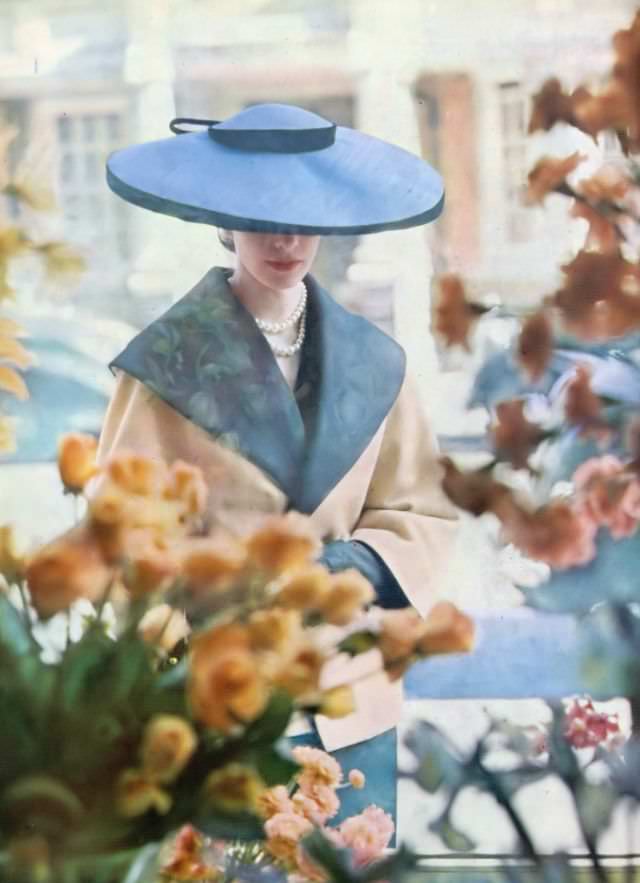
(170, 704)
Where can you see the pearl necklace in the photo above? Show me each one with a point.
(298, 315)
(276, 327)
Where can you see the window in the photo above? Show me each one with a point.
(513, 124)
(92, 218)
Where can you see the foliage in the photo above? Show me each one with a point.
(563, 413)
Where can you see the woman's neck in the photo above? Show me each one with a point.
(263, 302)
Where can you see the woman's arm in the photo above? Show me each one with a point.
(406, 531)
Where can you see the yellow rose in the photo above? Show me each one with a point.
(12, 563)
(348, 594)
(164, 627)
(275, 630)
(136, 795)
(337, 702)
(304, 589)
(67, 569)
(283, 543)
(226, 687)
(77, 460)
(234, 788)
(446, 630)
(167, 746)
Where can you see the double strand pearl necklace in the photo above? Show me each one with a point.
(298, 315)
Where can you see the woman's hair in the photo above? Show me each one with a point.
(225, 238)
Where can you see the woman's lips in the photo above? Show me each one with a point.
(283, 265)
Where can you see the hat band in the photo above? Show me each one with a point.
(264, 140)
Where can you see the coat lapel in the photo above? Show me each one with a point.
(207, 359)
(350, 376)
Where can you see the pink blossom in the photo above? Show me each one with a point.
(608, 495)
(357, 779)
(316, 803)
(584, 727)
(367, 835)
(284, 830)
(319, 768)
(274, 800)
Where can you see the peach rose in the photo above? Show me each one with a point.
(305, 589)
(211, 564)
(226, 687)
(137, 474)
(12, 563)
(348, 594)
(283, 543)
(446, 630)
(67, 569)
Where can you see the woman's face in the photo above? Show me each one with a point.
(276, 260)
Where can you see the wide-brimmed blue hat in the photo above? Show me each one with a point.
(275, 168)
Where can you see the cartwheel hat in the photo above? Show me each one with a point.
(276, 168)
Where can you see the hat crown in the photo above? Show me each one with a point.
(267, 117)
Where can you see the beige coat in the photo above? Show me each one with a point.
(390, 500)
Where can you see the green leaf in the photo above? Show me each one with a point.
(239, 826)
(393, 868)
(452, 838)
(15, 639)
(358, 642)
(275, 767)
(272, 723)
(595, 805)
(437, 764)
(336, 862)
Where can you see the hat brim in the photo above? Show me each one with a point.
(358, 185)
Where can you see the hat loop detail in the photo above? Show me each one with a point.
(275, 140)
(175, 124)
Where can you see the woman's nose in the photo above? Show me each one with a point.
(285, 241)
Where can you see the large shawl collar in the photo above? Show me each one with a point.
(207, 359)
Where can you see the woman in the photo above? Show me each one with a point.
(282, 397)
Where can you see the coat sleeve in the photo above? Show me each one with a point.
(407, 526)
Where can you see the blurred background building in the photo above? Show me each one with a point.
(450, 79)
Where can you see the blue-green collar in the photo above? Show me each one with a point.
(207, 358)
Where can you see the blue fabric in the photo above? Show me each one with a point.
(207, 359)
(343, 554)
(377, 758)
(356, 184)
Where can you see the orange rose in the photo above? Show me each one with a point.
(226, 687)
(283, 543)
(446, 630)
(275, 630)
(348, 594)
(67, 569)
(77, 460)
(211, 564)
(300, 674)
(149, 569)
(304, 589)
